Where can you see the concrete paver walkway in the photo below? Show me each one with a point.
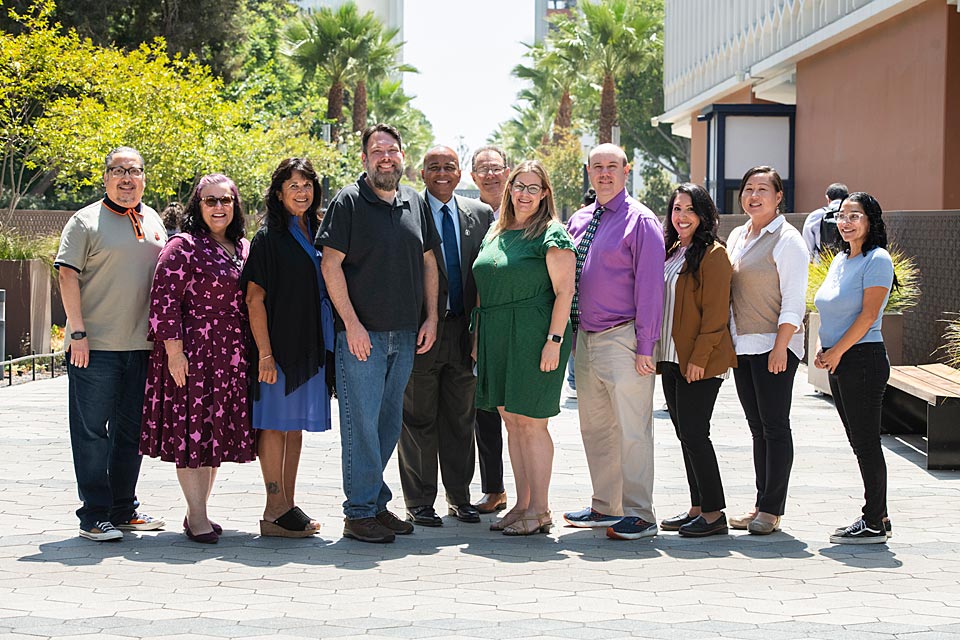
(464, 581)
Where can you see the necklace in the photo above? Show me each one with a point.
(505, 246)
(235, 259)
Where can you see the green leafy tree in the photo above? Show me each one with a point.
(657, 187)
(564, 163)
(220, 33)
(38, 66)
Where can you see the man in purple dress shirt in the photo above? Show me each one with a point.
(619, 306)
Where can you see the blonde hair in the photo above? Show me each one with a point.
(546, 212)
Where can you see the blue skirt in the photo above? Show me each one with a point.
(306, 409)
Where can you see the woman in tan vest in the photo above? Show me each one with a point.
(768, 295)
(695, 352)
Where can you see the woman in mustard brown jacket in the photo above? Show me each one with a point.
(695, 351)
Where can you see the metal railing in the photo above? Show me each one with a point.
(8, 365)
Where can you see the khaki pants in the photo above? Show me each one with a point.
(616, 421)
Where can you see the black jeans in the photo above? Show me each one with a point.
(691, 407)
(857, 386)
(766, 398)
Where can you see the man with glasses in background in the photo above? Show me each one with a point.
(108, 253)
(489, 170)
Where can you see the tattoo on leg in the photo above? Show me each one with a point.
(273, 488)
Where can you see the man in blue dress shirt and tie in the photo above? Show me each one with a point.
(438, 405)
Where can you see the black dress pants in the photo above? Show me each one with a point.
(438, 418)
(857, 386)
(766, 398)
(691, 407)
(489, 429)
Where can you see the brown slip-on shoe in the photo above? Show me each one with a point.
(492, 502)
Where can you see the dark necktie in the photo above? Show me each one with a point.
(451, 257)
(582, 250)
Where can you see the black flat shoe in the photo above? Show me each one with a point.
(217, 529)
(464, 512)
(677, 521)
(209, 537)
(700, 528)
(424, 516)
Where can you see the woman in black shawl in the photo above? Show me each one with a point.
(292, 323)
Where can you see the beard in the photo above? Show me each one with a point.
(386, 180)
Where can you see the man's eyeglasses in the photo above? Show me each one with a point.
(212, 201)
(488, 169)
(532, 189)
(119, 172)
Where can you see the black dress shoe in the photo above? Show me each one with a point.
(424, 516)
(464, 512)
(700, 528)
(677, 521)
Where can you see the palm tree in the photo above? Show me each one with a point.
(613, 35)
(387, 100)
(553, 75)
(331, 42)
(376, 60)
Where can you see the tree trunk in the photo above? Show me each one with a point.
(360, 105)
(608, 109)
(335, 106)
(564, 117)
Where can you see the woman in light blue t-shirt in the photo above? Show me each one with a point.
(851, 301)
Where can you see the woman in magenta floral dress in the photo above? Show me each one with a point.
(195, 412)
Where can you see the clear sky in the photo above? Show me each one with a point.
(464, 50)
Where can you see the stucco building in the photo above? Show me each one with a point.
(865, 92)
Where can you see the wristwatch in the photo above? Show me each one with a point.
(78, 335)
(552, 337)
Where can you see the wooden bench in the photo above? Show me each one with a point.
(926, 400)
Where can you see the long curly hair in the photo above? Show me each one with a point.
(277, 216)
(192, 221)
(876, 229)
(705, 234)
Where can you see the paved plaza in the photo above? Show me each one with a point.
(462, 580)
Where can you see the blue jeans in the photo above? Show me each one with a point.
(371, 416)
(105, 406)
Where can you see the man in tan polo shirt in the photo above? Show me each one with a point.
(108, 253)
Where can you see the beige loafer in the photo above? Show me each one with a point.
(763, 528)
(741, 522)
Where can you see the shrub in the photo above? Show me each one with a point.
(905, 296)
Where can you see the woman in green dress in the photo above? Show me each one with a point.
(525, 281)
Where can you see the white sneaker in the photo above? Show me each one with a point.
(101, 532)
(141, 522)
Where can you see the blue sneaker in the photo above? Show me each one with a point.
(632, 528)
(590, 518)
